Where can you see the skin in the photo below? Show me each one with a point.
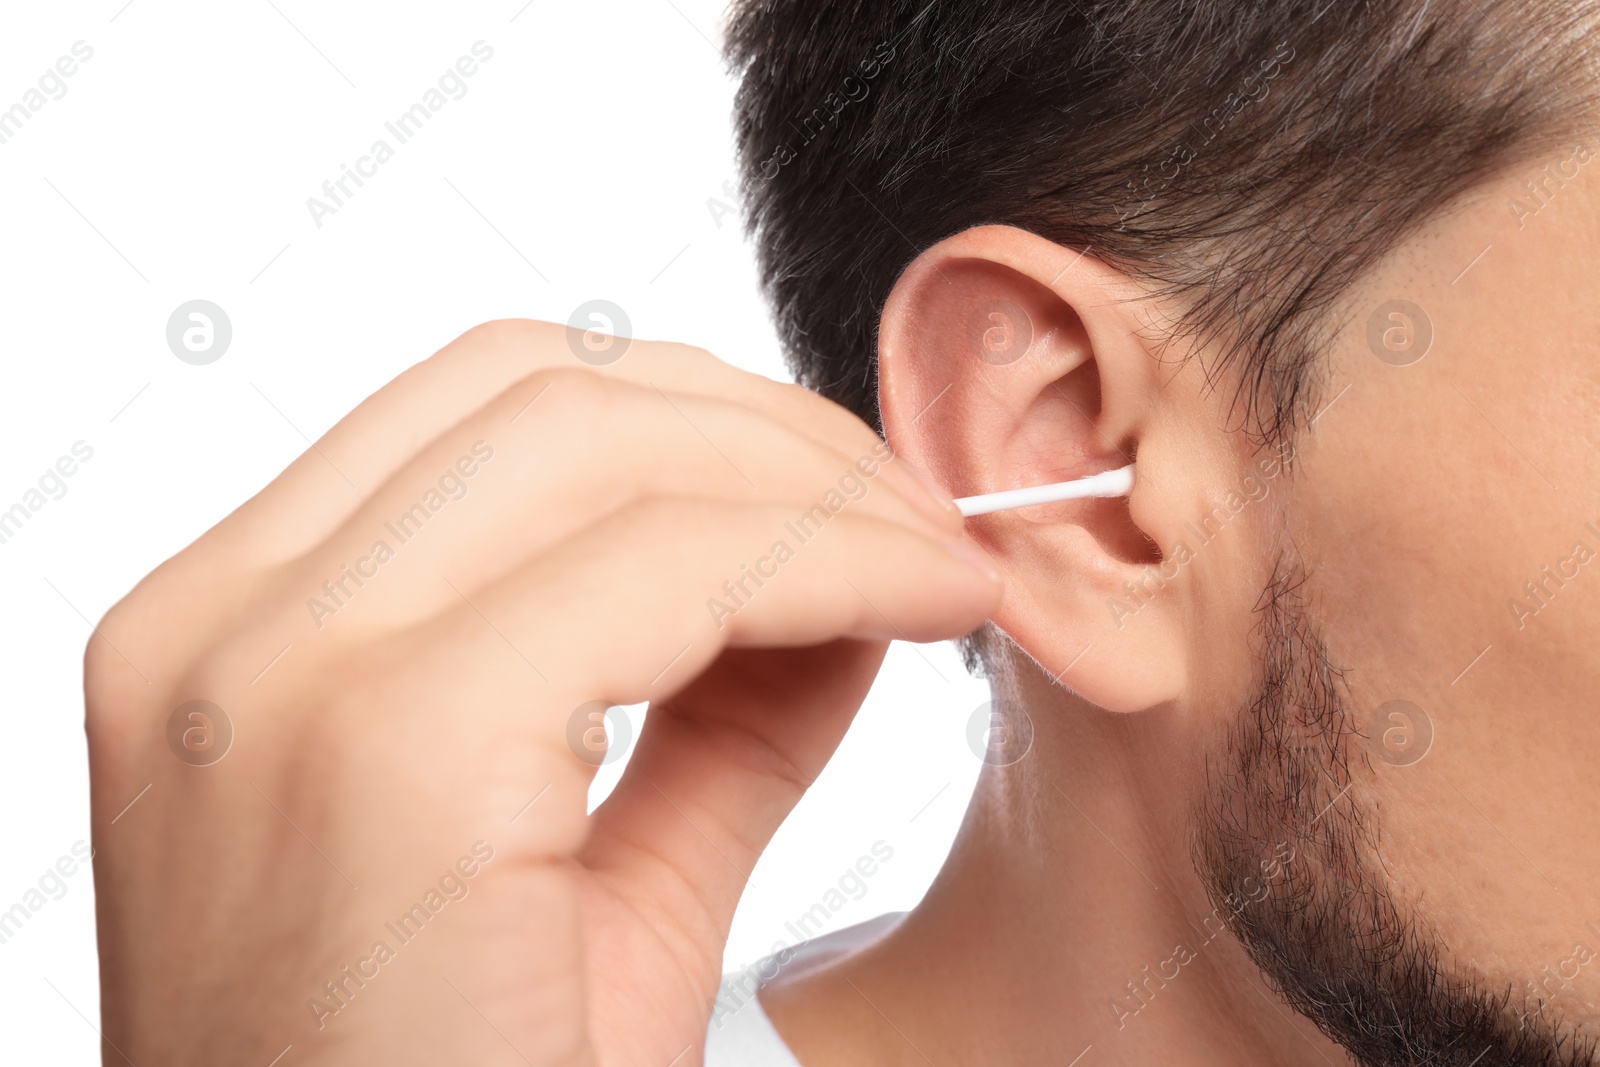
(426, 722)
(1417, 502)
(1418, 507)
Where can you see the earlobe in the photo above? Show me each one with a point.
(1006, 360)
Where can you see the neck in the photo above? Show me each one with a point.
(1067, 920)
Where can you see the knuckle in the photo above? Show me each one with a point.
(692, 354)
(497, 340)
(585, 397)
(123, 668)
(517, 334)
(108, 681)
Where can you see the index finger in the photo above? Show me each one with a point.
(326, 484)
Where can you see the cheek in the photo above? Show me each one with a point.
(1427, 499)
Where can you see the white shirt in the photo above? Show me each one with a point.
(740, 1034)
(745, 1037)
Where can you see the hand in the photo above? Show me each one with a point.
(390, 862)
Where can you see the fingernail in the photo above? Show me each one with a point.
(974, 556)
(940, 496)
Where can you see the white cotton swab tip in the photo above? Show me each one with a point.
(1110, 483)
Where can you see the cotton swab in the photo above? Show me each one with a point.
(1109, 483)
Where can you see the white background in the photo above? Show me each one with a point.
(587, 159)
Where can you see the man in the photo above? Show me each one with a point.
(1311, 712)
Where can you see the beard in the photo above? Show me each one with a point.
(1290, 858)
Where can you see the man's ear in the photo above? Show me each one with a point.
(1006, 360)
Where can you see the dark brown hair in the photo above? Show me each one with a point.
(1252, 157)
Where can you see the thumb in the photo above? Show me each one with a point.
(717, 770)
